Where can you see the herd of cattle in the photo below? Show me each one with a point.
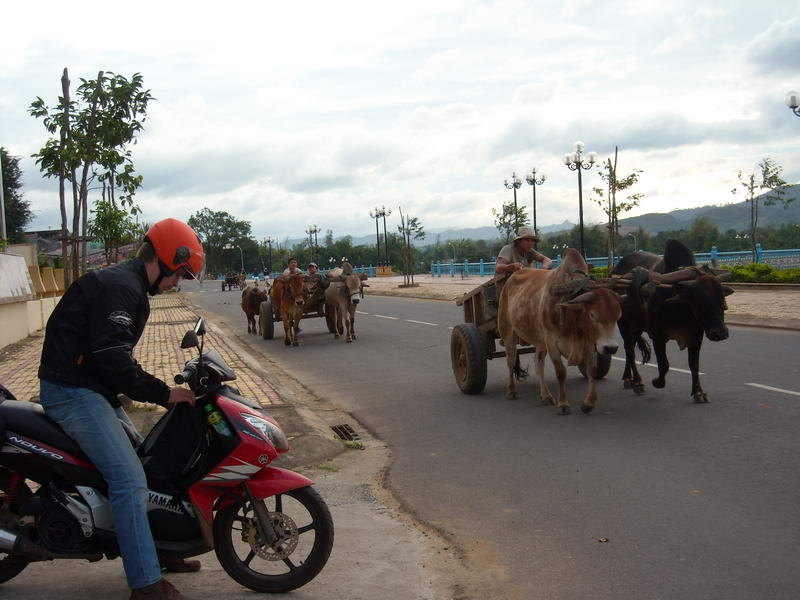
(564, 313)
(292, 296)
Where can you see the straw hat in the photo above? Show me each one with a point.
(527, 232)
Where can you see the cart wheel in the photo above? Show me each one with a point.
(468, 356)
(265, 320)
(603, 365)
(223, 285)
(330, 319)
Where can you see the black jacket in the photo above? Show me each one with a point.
(90, 336)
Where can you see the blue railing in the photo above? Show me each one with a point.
(779, 259)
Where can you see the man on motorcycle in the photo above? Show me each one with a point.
(87, 362)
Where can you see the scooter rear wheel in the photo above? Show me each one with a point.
(11, 566)
(303, 521)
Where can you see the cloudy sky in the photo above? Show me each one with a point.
(291, 114)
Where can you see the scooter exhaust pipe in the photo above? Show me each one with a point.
(11, 543)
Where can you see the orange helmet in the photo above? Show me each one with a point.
(177, 246)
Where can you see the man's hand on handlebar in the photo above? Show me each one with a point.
(178, 395)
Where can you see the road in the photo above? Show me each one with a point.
(649, 497)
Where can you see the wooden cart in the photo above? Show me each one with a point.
(268, 314)
(473, 342)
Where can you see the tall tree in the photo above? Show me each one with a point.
(218, 229)
(94, 133)
(410, 229)
(17, 210)
(609, 205)
(769, 181)
(113, 226)
(506, 221)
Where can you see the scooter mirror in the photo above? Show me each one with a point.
(200, 326)
(190, 340)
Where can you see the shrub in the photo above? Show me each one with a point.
(762, 273)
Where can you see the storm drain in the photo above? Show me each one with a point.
(345, 432)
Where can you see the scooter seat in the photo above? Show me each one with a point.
(28, 419)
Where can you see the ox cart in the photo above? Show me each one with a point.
(474, 342)
(231, 280)
(269, 314)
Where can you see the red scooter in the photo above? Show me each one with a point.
(209, 479)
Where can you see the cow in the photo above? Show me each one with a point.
(534, 309)
(252, 298)
(289, 294)
(341, 298)
(671, 299)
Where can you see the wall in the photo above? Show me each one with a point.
(22, 311)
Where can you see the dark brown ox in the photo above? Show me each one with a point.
(532, 311)
(342, 298)
(252, 298)
(290, 294)
(670, 299)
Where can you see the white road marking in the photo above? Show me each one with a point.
(773, 389)
(656, 366)
(361, 312)
(385, 317)
(421, 322)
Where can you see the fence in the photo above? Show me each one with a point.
(779, 259)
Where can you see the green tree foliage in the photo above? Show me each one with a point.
(218, 230)
(94, 134)
(609, 203)
(768, 178)
(507, 218)
(113, 226)
(17, 210)
(410, 230)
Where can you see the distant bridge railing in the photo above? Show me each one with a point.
(779, 259)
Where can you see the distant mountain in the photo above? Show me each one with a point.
(728, 216)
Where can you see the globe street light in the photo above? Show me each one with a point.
(313, 230)
(376, 214)
(241, 254)
(575, 162)
(514, 185)
(533, 181)
(385, 212)
(793, 102)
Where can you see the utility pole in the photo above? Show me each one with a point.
(3, 234)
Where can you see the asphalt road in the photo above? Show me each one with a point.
(649, 497)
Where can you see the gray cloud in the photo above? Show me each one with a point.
(777, 48)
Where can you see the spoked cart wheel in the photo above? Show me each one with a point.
(265, 320)
(468, 357)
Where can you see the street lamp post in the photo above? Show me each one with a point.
(533, 181)
(514, 185)
(574, 161)
(241, 254)
(793, 102)
(376, 214)
(385, 212)
(313, 230)
(269, 240)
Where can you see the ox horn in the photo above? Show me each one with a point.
(723, 275)
(675, 276)
(585, 297)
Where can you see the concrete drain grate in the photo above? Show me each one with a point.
(345, 432)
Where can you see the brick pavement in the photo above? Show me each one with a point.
(158, 352)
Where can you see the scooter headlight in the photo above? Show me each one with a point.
(271, 432)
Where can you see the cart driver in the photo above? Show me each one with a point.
(292, 268)
(520, 253)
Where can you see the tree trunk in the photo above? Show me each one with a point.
(88, 160)
(68, 279)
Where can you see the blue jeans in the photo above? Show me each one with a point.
(92, 422)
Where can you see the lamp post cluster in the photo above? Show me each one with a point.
(378, 213)
(793, 102)
(269, 240)
(514, 185)
(535, 178)
(313, 230)
(575, 162)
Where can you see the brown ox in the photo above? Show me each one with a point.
(290, 294)
(252, 298)
(578, 329)
(342, 297)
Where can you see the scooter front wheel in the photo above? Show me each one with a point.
(11, 566)
(305, 529)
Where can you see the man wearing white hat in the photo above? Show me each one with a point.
(520, 253)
